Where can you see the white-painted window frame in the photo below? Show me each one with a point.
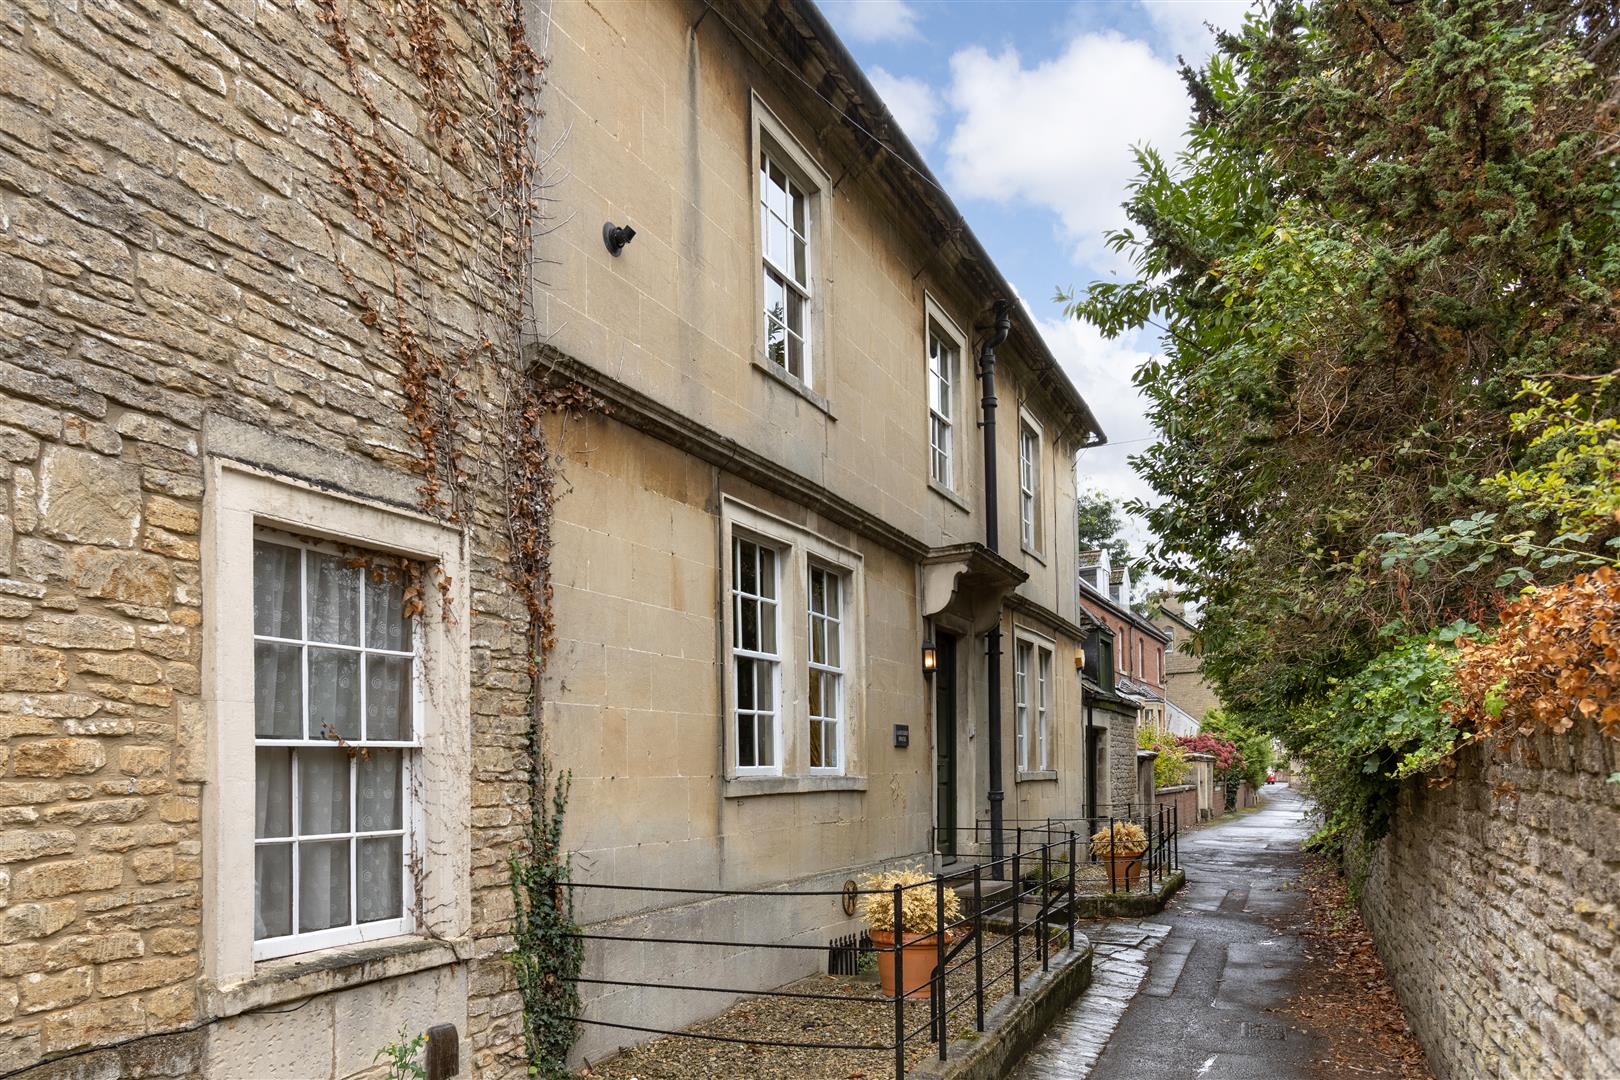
(770, 661)
(239, 500)
(834, 674)
(772, 139)
(798, 549)
(1029, 483)
(409, 831)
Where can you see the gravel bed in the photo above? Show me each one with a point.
(797, 1020)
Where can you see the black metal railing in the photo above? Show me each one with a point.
(1029, 893)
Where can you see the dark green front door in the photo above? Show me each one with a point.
(945, 746)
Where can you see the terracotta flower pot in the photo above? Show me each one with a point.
(921, 956)
(1124, 870)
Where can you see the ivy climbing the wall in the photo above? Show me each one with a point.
(547, 952)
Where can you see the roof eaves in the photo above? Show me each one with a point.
(915, 174)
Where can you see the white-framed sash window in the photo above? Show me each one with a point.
(1043, 702)
(337, 702)
(825, 674)
(793, 690)
(785, 235)
(756, 654)
(1023, 655)
(1029, 462)
(943, 361)
(337, 696)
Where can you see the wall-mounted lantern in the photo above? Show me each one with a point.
(930, 658)
(616, 236)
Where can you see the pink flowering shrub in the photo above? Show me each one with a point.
(1228, 759)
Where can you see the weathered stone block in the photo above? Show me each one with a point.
(129, 976)
(66, 878)
(24, 844)
(89, 498)
(78, 631)
(22, 922)
(126, 576)
(24, 668)
(58, 757)
(41, 992)
(126, 667)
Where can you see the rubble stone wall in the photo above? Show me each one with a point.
(168, 223)
(1494, 905)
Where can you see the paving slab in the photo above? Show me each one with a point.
(1201, 986)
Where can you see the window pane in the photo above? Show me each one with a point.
(818, 700)
(801, 262)
(795, 314)
(747, 568)
(834, 659)
(748, 623)
(272, 890)
(386, 624)
(334, 694)
(323, 791)
(767, 627)
(767, 573)
(380, 871)
(778, 189)
(765, 728)
(818, 591)
(746, 698)
(272, 792)
(776, 241)
(378, 802)
(795, 356)
(275, 591)
(815, 744)
(388, 698)
(323, 885)
(278, 688)
(745, 741)
(334, 599)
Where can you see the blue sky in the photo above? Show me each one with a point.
(1026, 110)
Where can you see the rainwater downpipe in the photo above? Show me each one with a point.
(992, 530)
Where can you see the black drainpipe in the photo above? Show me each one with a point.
(992, 529)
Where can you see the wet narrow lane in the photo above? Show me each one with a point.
(1192, 992)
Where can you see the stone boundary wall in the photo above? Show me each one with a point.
(1184, 797)
(1496, 915)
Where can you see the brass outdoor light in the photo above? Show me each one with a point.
(930, 658)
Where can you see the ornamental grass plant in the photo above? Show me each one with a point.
(917, 912)
(1122, 839)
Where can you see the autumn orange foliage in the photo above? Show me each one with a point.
(1554, 661)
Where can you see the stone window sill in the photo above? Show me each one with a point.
(796, 385)
(1032, 553)
(949, 496)
(742, 787)
(293, 978)
(1037, 774)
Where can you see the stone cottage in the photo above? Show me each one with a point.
(264, 662)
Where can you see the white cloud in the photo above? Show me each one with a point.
(1059, 134)
(914, 103)
(876, 20)
(1182, 23)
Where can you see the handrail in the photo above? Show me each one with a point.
(1057, 862)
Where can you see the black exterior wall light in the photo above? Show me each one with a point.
(616, 236)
